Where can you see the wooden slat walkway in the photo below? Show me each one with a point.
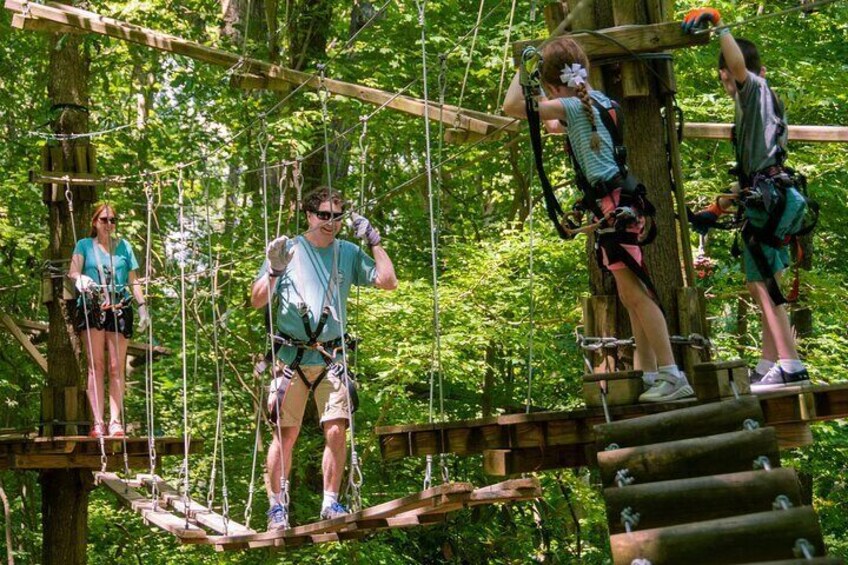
(420, 509)
(522, 442)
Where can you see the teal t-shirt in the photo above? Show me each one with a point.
(106, 269)
(305, 281)
(598, 165)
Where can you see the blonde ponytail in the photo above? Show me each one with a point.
(583, 95)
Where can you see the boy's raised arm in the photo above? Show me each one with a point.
(701, 17)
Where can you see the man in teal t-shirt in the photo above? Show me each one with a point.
(311, 276)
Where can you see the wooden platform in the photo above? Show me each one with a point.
(24, 451)
(523, 442)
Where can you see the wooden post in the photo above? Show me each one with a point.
(555, 13)
(634, 79)
(599, 320)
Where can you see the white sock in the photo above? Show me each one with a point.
(648, 377)
(763, 366)
(329, 499)
(275, 498)
(671, 370)
(791, 365)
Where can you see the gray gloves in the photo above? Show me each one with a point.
(278, 256)
(143, 317)
(363, 229)
(85, 284)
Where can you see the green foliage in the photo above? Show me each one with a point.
(484, 284)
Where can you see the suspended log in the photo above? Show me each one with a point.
(695, 457)
(667, 503)
(694, 422)
(741, 539)
(801, 561)
(620, 388)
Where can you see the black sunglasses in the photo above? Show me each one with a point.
(113, 220)
(327, 216)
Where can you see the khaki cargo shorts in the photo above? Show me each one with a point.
(330, 397)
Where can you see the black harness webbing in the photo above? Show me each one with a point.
(611, 238)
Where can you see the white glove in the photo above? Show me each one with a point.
(143, 318)
(277, 256)
(363, 229)
(85, 284)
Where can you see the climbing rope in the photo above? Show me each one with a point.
(530, 290)
(436, 351)
(219, 380)
(69, 197)
(355, 477)
(185, 470)
(148, 368)
(468, 63)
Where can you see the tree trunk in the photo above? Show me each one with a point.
(644, 136)
(64, 493)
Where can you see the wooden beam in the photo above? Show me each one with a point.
(24, 341)
(279, 79)
(820, 134)
(259, 74)
(28, 23)
(636, 38)
(506, 462)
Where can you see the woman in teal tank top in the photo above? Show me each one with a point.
(103, 268)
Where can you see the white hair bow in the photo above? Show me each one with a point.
(573, 75)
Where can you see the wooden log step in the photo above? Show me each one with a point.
(741, 539)
(696, 421)
(667, 503)
(156, 515)
(195, 511)
(696, 457)
(814, 561)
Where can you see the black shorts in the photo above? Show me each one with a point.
(109, 320)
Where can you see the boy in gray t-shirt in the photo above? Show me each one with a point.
(760, 137)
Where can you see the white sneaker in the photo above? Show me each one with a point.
(667, 387)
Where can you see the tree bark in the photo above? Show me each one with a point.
(64, 493)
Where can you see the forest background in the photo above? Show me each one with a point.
(162, 110)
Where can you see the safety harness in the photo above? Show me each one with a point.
(633, 204)
(766, 190)
(328, 349)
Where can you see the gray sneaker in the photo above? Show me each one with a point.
(335, 510)
(666, 388)
(278, 518)
(755, 377)
(778, 378)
